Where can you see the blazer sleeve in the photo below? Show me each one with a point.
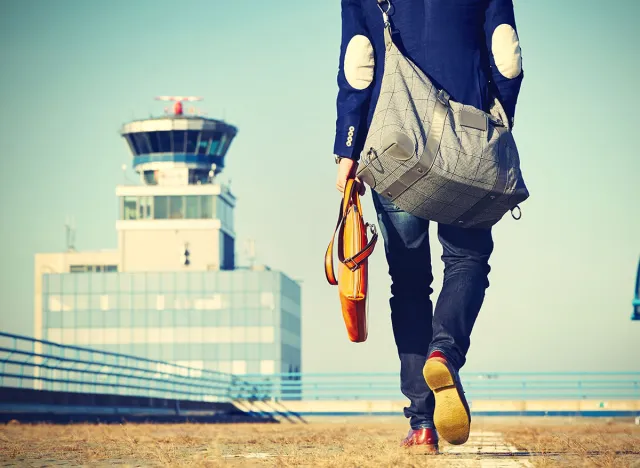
(505, 55)
(355, 78)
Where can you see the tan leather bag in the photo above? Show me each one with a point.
(353, 252)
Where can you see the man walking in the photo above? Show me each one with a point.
(471, 49)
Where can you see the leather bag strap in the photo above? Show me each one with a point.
(351, 197)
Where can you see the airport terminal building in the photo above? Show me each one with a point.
(171, 291)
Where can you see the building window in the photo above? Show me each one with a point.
(267, 299)
(208, 303)
(238, 367)
(93, 268)
(227, 251)
(267, 335)
(176, 207)
(206, 207)
(55, 304)
(104, 302)
(161, 207)
(129, 208)
(54, 334)
(193, 206)
(150, 178)
(169, 207)
(145, 206)
(252, 335)
(267, 367)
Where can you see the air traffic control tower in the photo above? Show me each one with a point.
(172, 291)
(170, 222)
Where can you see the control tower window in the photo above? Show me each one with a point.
(214, 147)
(178, 141)
(164, 139)
(203, 143)
(142, 143)
(217, 142)
(192, 140)
(132, 144)
(129, 208)
(154, 142)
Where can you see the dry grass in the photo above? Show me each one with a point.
(578, 442)
(356, 442)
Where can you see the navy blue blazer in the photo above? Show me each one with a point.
(468, 47)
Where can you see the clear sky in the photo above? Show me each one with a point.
(73, 71)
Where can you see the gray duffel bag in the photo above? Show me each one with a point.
(436, 158)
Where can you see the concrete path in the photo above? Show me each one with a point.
(484, 450)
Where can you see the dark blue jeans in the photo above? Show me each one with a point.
(418, 329)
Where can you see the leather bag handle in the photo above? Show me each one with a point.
(351, 197)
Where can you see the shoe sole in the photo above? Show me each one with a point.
(422, 449)
(451, 416)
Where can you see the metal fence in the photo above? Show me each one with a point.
(44, 365)
(29, 363)
(478, 386)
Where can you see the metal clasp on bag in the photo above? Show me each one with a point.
(372, 228)
(367, 156)
(350, 263)
(385, 13)
(443, 97)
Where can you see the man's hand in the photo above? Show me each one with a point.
(347, 170)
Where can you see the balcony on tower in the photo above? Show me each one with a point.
(177, 148)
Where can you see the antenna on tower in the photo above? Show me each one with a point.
(250, 251)
(70, 231)
(178, 100)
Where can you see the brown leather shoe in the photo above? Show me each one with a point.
(425, 437)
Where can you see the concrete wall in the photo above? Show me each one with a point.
(158, 245)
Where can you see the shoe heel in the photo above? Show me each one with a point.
(437, 375)
(450, 416)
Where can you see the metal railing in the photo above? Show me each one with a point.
(44, 365)
(478, 386)
(38, 364)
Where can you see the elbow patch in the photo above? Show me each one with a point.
(505, 47)
(358, 62)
